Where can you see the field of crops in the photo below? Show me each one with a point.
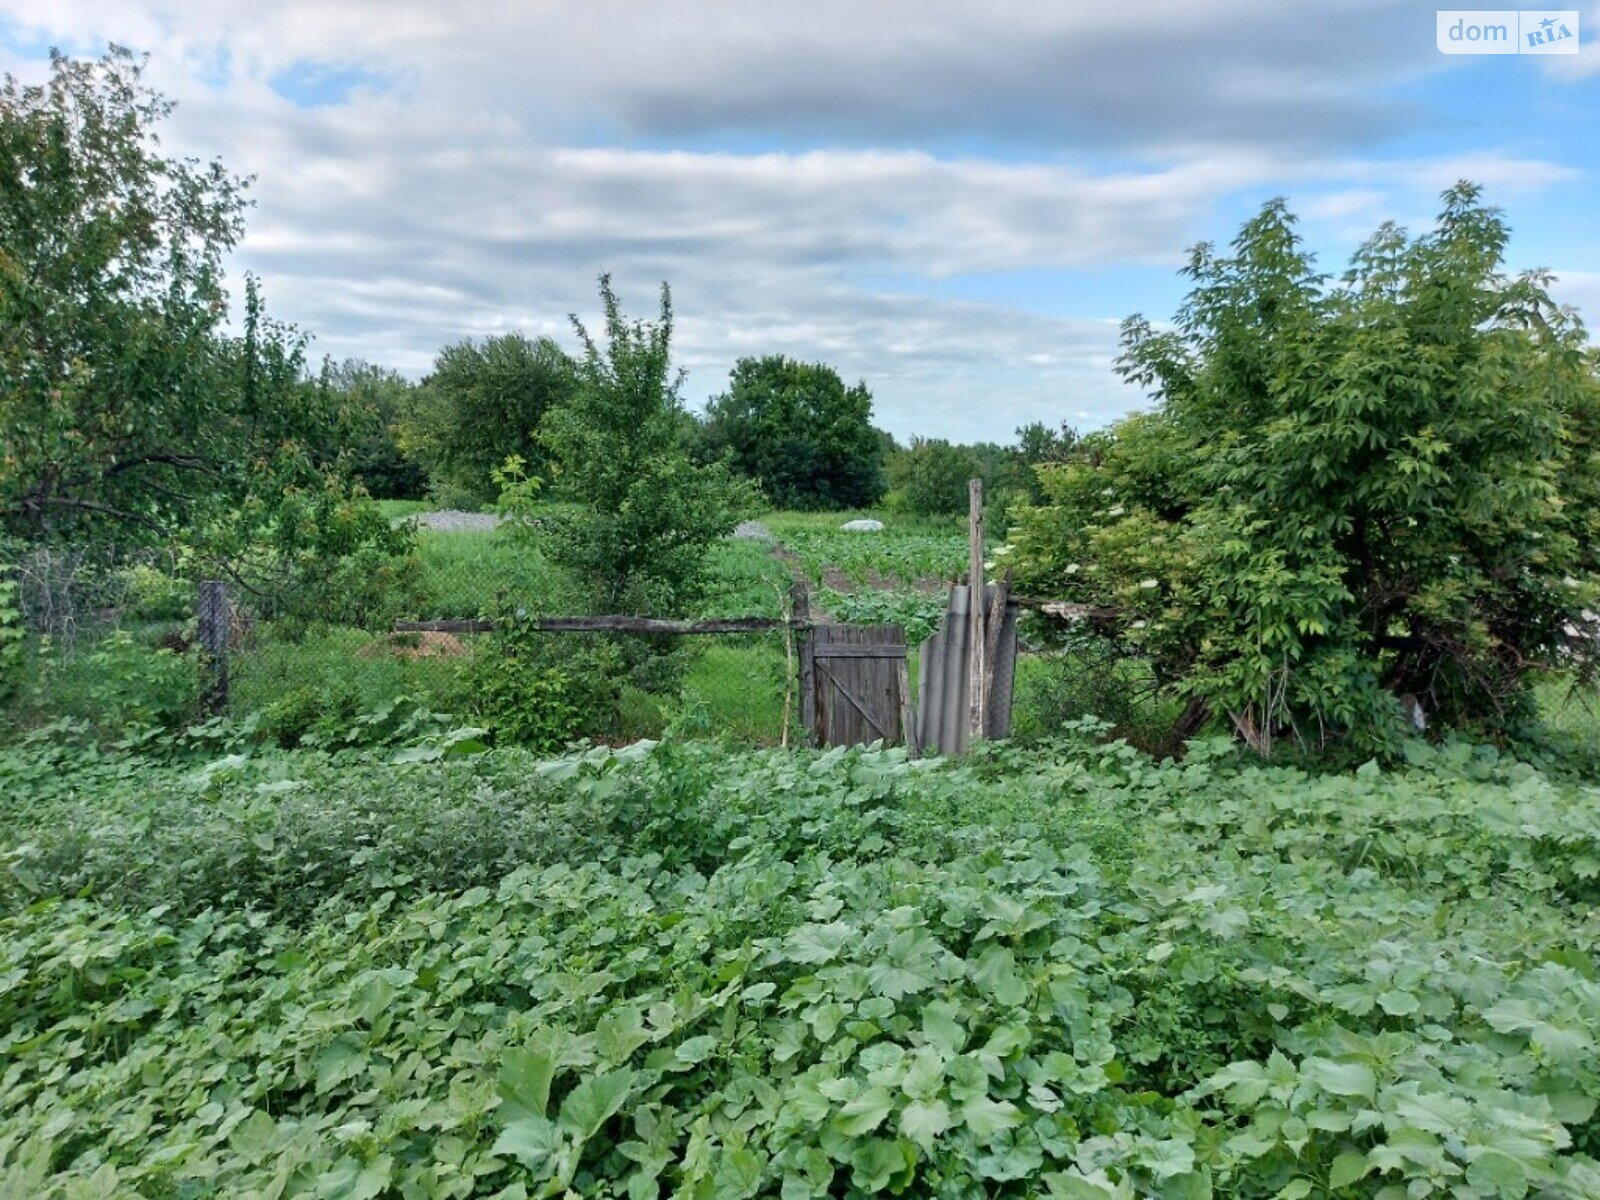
(685, 970)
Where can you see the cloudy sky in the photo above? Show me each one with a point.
(955, 202)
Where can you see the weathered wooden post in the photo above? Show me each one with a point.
(214, 624)
(800, 604)
(977, 692)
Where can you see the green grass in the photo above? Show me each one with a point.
(350, 669)
(744, 580)
(395, 509)
(467, 574)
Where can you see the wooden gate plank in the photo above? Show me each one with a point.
(858, 691)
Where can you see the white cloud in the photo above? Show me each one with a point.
(822, 180)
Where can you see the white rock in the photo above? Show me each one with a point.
(867, 526)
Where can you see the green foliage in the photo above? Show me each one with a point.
(1086, 676)
(12, 636)
(482, 404)
(154, 594)
(918, 614)
(890, 557)
(930, 477)
(110, 290)
(1349, 493)
(540, 690)
(119, 687)
(379, 399)
(127, 416)
(329, 557)
(668, 969)
(799, 432)
(645, 515)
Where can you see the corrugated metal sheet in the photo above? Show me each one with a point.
(942, 679)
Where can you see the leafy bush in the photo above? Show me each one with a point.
(917, 614)
(930, 477)
(482, 403)
(543, 691)
(13, 634)
(119, 686)
(152, 594)
(333, 558)
(1348, 495)
(644, 516)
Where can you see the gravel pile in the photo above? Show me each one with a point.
(455, 521)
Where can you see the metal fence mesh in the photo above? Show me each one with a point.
(116, 641)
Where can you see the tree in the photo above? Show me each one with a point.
(1348, 494)
(110, 294)
(646, 516)
(799, 432)
(930, 476)
(128, 416)
(482, 404)
(377, 399)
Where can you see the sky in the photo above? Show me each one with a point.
(956, 203)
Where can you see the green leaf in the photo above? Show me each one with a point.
(942, 1028)
(987, 1117)
(864, 1113)
(1499, 1174)
(1398, 1003)
(923, 1121)
(594, 1101)
(738, 1174)
(532, 1141)
(695, 1050)
(881, 1165)
(524, 1083)
(816, 944)
(1347, 1168)
(1340, 1078)
(343, 1059)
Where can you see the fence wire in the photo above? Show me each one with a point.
(114, 642)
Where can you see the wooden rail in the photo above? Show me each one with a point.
(603, 624)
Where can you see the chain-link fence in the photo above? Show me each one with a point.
(122, 642)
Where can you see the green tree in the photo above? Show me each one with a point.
(645, 515)
(482, 404)
(377, 400)
(110, 296)
(799, 432)
(128, 417)
(1386, 487)
(930, 475)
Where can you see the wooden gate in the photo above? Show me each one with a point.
(859, 689)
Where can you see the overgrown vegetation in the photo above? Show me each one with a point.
(676, 969)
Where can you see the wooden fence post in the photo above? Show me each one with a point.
(800, 602)
(977, 610)
(214, 625)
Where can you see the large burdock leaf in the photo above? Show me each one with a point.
(865, 1113)
(1341, 1079)
(986, 1117)
(532, 1141)
(816, 944)
(594, 1101)
(923, 1121)
(524, 1083)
